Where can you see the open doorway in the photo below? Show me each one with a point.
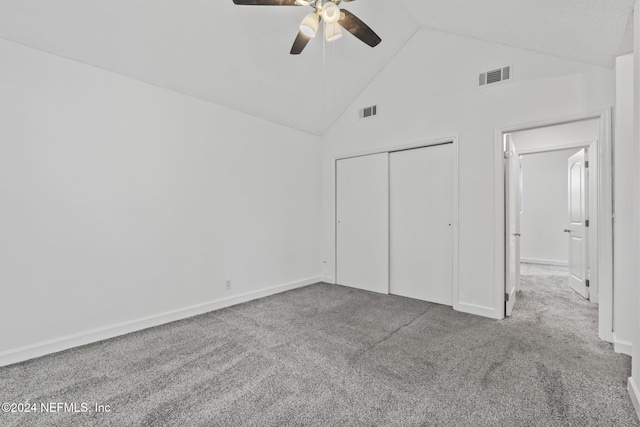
(539, 159)
(555, 199)
(554, 215)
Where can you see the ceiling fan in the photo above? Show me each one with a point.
(324, 10)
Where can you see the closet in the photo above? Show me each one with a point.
(394, 223)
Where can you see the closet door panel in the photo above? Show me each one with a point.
(421, 219)
(362, 222)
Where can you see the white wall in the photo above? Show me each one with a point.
(544, 215)
(122, 201)
(625, 165)
(430, 91)
(634, 383)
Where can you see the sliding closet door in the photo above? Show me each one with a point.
(421, 218)
(362, 222)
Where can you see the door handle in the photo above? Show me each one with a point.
(566, 230)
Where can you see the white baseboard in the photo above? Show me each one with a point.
(544, 261)
(606, 335)
(634, 395)
(55, 345)
(327, 279)
(620, 346)
(478, 310)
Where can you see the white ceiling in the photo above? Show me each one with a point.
(627, 40)
(585, 30)
(238, 56)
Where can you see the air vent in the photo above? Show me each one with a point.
(368, 112)
(494, 76)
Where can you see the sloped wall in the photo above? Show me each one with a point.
(125, 205)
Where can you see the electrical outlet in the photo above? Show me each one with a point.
(227, 284)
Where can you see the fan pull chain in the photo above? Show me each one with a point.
(333, 65)
(324, 68)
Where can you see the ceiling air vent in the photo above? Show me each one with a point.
(494, 76)
(368, 112)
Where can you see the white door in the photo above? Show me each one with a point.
(362, 222)
(512, 226)
(577, 224)
(421, 223)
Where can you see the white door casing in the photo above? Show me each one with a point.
(421, 223)
(512, 232)
(577, 213)
(601, 213)
(593, 201)
(517, 211)
(362, 222)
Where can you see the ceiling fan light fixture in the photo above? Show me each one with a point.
(309, 25)
(330, 13)
(332, 32)
(327, 11)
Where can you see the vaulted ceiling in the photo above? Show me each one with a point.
(238, 56)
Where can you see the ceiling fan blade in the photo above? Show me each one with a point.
(266, 2)
(299, 43)
(311, 22)
(355, 26)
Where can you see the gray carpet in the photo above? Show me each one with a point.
(327, 355)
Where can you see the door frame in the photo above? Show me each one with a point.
(604, 262)
(390, 149)
(592, 197)
(511, 161)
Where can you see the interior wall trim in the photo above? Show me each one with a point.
(634, 395)
(55, 345)
(620, 346)
(478, 310)
(544, 261)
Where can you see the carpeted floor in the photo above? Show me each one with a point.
(327, 355)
